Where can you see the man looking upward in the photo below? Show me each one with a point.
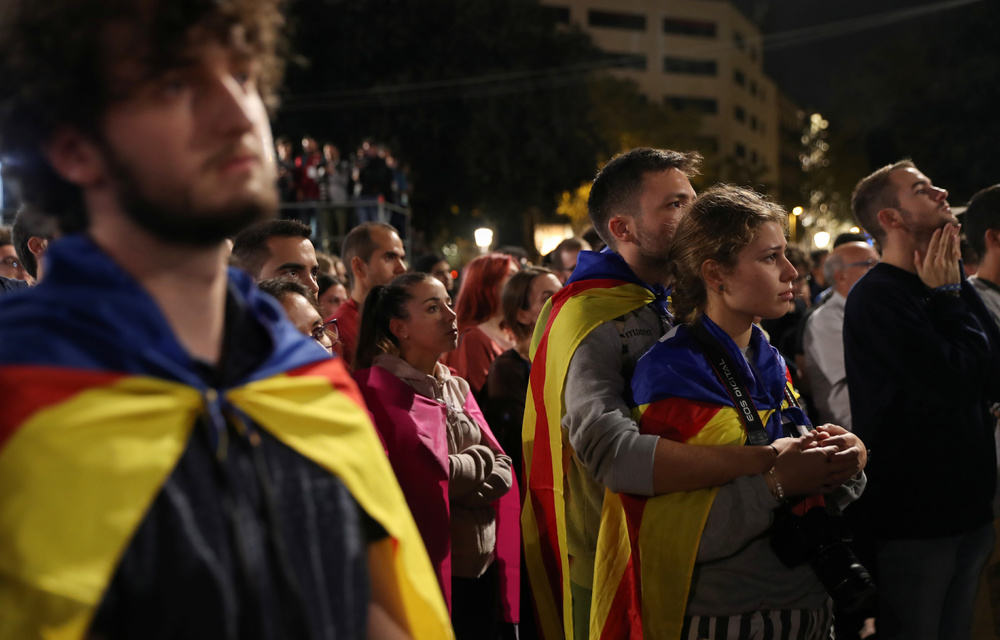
(922, 355)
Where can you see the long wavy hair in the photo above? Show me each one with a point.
(721, 222)
(479, 295)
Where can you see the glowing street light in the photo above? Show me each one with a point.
(821, 239)
(794, 231)
(484, 238)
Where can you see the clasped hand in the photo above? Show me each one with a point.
(819, 461)
(940, 265)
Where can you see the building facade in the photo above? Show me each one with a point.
(703, 55)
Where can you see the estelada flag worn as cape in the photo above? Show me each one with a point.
(98, 402)
(602, 288)
(414, 431)
(680, 397)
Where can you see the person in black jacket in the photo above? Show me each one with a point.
(923, 362)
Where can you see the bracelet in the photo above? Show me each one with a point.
(777, 491)
(948, 288)
(775, 461)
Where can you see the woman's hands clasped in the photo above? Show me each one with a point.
(819, 461)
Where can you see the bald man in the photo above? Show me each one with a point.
(824, 333)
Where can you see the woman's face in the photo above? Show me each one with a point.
(442, 271)
(305, 318)
(430, 330)
(761, 283)
(542, 288)
(331, 299)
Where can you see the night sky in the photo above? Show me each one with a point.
(814, 47)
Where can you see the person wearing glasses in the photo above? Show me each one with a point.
(10, 266)
(823, 339)
(302, 310)
(456, 478)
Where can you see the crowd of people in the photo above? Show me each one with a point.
(210, 429)
(319, 181)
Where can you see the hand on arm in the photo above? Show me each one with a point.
(687, 467)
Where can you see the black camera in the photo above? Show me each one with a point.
(820, 537)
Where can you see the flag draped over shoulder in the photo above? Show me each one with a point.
(413, 429)
(601, 289)
(99, 407)
(680, 397)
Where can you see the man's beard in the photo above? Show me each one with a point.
(177, 219)
(653, 251)
(921, 233)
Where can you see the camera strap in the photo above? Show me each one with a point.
(732, 379)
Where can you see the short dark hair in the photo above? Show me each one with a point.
(424, 264)
(569, 244)
(799, 259)
(359, 243)
(5, 236)
(325, 281)
(279, 288)
(57, 61)
(383, 304)
(250, 250)
(721, 223)
(31, 223)
(982, 214)
(617, 185)
(873, 193)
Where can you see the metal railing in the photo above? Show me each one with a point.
(332, 222)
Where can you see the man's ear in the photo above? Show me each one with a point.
(75, 157)
(37, 246)
(992, 239)
(711, 273)
(622, 228)
(358, 268)
(889, 218)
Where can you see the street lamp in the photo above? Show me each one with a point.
(484, 238)
(796, 212)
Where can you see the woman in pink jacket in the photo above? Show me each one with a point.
(456, 478)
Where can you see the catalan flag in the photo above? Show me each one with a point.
(98, 404)
(602, 288)
(680, 397)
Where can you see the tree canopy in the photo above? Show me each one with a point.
(496, 109)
